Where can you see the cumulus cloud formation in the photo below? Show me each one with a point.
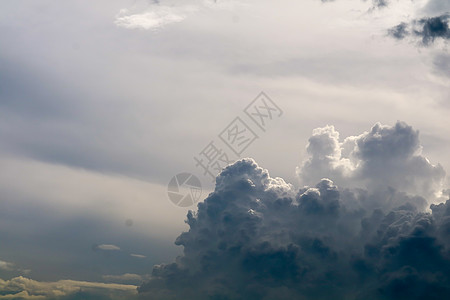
(25, 288)
(427, 29)
(386, 156)
(257, 237)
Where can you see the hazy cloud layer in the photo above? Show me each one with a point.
(257, 237)
(87, 106)
(127, 278)
(70, 223)
(436, 7)
(442, 64)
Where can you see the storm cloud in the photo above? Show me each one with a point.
(258, 237)
(100, 105)
(427, 30)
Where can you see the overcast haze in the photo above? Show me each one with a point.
(103, 102)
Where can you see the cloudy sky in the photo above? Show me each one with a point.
(103, 102)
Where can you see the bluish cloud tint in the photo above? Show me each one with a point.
(101, 103)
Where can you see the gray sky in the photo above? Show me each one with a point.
(101, 103)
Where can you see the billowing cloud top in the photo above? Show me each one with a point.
(383, 157)
(257, 237)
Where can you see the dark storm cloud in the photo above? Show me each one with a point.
(433, 28)
(256, 237)
(400, 31)
(428, 29)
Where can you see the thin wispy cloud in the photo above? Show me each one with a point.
(158, 15)
(7, 266)
(154, 18)
(138, 255)
(107, 247)
(127, 278)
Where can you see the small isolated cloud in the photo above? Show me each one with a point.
(6, 266)
(25, 288)
(155, 17)
(106, 247)
(158, 15)
(427, 30)
(258, 237)
(138, 255)
(9, 266)
(400, 31)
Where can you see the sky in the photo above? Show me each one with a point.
(103, 103)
